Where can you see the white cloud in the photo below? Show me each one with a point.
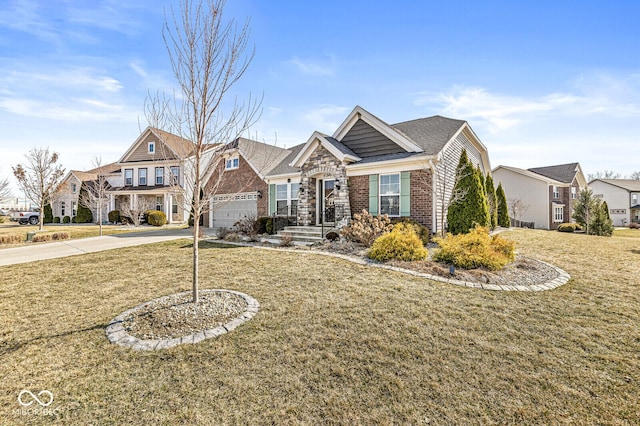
(314, 68)
(325, 118)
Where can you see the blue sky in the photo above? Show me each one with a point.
(540, 82)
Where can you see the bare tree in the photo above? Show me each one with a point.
(134, 210)
(5, 190)
(518, 209)
(607, 174)
(95, 195)
(635, 175)
(39, 178)
(207, 55)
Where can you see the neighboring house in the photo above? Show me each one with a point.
(367, 164)
(622, 197)
(239, 185)
(545, 194)
(152, 173)
(67, 197)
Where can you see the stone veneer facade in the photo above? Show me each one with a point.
(322, 165)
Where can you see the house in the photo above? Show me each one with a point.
(152, 174)
(542, 196)
(622, 197)
(238, 184)
(67, 196)
(405, 170)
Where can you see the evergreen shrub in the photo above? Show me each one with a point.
(156, 217)
(477, 249)
(402, 243)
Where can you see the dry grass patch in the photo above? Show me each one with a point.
(334, 342)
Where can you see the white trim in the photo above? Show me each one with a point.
(384, 128)
(235, 162)
(389, 166)
(151, 147)
(312, 143)
(380, 194)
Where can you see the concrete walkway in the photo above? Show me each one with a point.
(34, 252)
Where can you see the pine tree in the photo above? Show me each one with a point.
(48, 214)
(503, 209)
(84, 214)
(492, 200)
(601, 224)
(605, 209)
(584, 207)
(473, 209)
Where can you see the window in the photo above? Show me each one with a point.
(574, 192)
(142, 177)
(152, 147)
(159, 203)
(634, 199)
(175, 174)
(62, 208)
(558, 214)
(556, 192)
(174, 207)
(282, 205)
(74, 208)
(287, 199)
(159, 175)
(390, 194)
(128, 177)
(73, 188)
(232, 163)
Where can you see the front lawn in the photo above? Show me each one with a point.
(333, 342)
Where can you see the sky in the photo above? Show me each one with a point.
(540, 82)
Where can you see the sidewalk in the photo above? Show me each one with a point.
(31, 253)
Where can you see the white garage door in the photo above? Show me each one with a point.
(228, 209)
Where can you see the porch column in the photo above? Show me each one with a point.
(211, 213)
(166, 200)
(170, 211)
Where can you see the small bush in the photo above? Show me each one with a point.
(477, 249)
(247, 226)
(74, 219)
(66, 219)
(634, 225)
(401, 243)
(39, 238)
(332, 236)
(156, 218)
(114, 216)
(365, 228)
(11, 239)
(286, 240)
(265, 225)
(63, 235)
(1, 219)
(56, 219)
(568, 227)
(422, 231)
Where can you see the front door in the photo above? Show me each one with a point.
(326, 210)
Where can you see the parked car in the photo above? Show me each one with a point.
(4, 212)
(32, 218)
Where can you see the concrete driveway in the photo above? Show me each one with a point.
(31, 253)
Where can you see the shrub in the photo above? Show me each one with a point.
(39, 238)
(56, 219)
(156, 218)
(247, 225)
(364, 228)
(332, 236)
(568, 227)
(286, 240)
(265, 225)
(11, 239)
(422, 231)
(48, 213)
(634, 225)
(223, 232)
(401, 243)
(477, 249)
(74, 219)
(66, 219)
(114, 216)
(63, 235)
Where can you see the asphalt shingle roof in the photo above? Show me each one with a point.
(628, 184)
(564, 173)
(431, 133)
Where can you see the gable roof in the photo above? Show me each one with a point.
(431, 133)
(335, 147)
(564, 173)
(630, 185)
(262, 157)
(179, 147)
(530, 174)
(285, 167)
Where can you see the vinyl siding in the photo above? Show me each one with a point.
(366, 141)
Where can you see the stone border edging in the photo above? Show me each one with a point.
(116, 333)
(562, 278)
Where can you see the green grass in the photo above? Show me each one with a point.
(334, 342)
(627, 232)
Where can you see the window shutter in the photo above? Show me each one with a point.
(272, 198)
(405, 197)
(373, 195)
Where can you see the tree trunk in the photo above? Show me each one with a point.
(196, 253)
(41, 218)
